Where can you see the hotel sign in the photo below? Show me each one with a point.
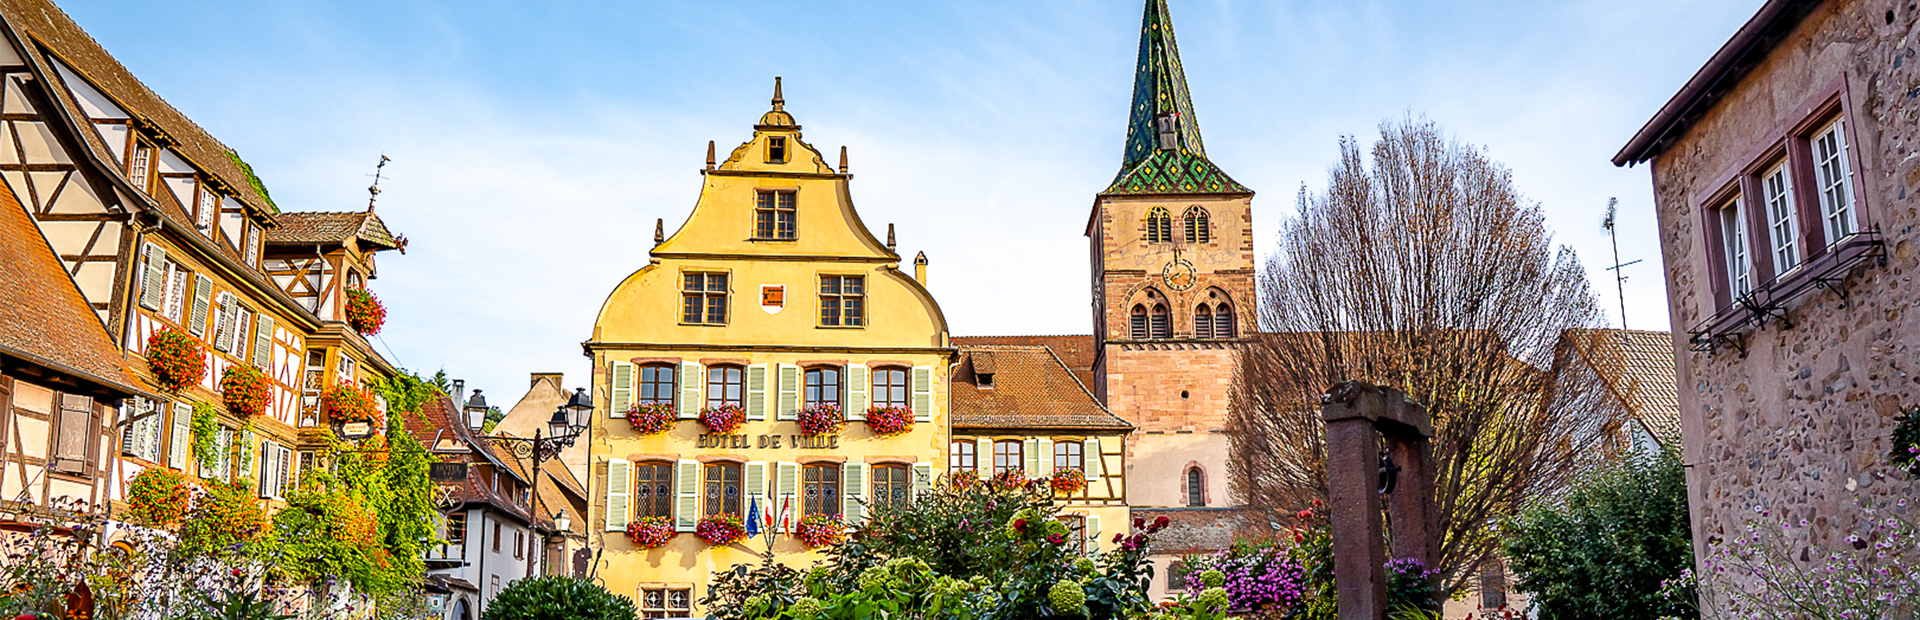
(769, 441)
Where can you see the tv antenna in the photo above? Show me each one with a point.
(1619, 275)
(373, 192)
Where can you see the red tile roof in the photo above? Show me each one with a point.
(43, 318)
(1031, 388)
(1641, 374)
(316, 227)
(1076, 351)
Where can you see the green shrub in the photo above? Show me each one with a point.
(558, 598)
(1604, 549)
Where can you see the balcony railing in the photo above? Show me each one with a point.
(1728, 328)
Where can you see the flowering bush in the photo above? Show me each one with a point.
(650, 532)
(177, 359)
(245, 390)
(1068, 481)
(1257, 577)
(225, 517)
(1906, 442)
(820, 530)
(821, 419)
(889, 421)
(365, 312)
(159, 496)
(1011, 479)
(651, 418)
(725, 418)
(348, 402)
(1779, 569)
(721, 529)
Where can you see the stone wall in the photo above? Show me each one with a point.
(1799, 425)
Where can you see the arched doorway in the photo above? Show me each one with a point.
(461, 611)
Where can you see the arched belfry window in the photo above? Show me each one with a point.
(1223, 320)
(1159, 225)
(1196, 225)
(1137, 327)
(1203, 322)
(1158, 319)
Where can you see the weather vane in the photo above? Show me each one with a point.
(373, 192)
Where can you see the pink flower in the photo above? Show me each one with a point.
(1305, 515)
(1020, 525)
(1117, 538)
(1161, 522)
(1056, 539)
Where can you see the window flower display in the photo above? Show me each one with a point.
(889, 421)
(725, 418)
(177, 359)
(651, 418)
(245, 390)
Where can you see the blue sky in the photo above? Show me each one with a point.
(534, 144)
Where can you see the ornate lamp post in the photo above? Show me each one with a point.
(569, 421)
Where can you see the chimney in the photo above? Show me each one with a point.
(551, 377)
(920, 268)
(459, 391)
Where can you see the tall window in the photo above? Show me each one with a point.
(843, 300)
(890, 387)
(960, 456)
(1782, 223)
(725, 385)
(1066, 455)
(774, 214)
(776, 150)
(703, 299)
(890, 484)
(1203, 322)
(1159, 225)
(823, 386)
(1137, 323)
(209, 208)
(1157, 318)
(723, 489)
(1834, 179)
(820, 489)
(1196, 487)
(656, 383)
(457, 529)
(652, 490)
(1733, 246)
(1223, 321)
(1007, 456)
(140, 170)
(1196, 225)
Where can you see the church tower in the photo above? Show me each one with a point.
(1173, 282)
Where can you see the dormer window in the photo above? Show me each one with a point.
(1167, 130)
(776, 150)
(984, 380)
(140, 170)
(209, 208)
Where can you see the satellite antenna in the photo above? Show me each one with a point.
(1619, 276)
(373, 192)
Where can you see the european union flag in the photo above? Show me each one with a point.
(753, 517)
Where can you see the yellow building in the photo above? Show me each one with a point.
(773, 296)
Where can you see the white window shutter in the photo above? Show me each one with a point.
(1045, 453)
(983, 456)
(1090, 455)
(789, 392)
(153, 284)
(181, 447)
(691, 381)
(755, 479)
(686, 501)
(283, 472)
(853, 492)
(264, 488)
(619, 486)
(787, 485)
(1093, 533)
(922, 478)
(223, 333)
(856, 380)
(923, 393)
(262, 340)
(1032, 449)
(202, 303)
(620, 398)
(757, 392)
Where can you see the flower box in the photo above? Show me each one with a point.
(1068, 481)
(821, 419)
(245, 390)
(159, 496)
(819, 530)
(889, 421)
(723, 419)
(721, 529)
(365, 313)
(651, 418)
(349, 403)
(650, 532)
(177, 360)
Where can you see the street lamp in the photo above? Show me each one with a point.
(476, 411)
(563, 429)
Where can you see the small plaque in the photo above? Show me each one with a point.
(773, 297)
(356, 429)
(446, 472)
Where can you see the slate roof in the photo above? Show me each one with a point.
(1638, 369)
(1076, 351)
(322, 227)
(1031, 388)
(43, 318)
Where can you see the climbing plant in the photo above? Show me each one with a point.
(205, 430)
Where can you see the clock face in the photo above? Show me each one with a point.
(1179, 275)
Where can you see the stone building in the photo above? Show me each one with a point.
(771, 299)
(1785, 183)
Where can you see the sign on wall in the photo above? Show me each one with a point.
(773, 297)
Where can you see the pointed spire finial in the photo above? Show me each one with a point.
(890, 237)
(709, 154)
(779, 102)
(1162, 117)
(843, 159)
(659, 230)
(373, 191)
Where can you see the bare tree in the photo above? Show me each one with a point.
(1430, 273)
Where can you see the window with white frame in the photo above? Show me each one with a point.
(1776, 188)
(1834, 180)
(1733, 246)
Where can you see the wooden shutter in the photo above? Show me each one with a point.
(265, 485)
(74, 429)
(692, 381)
(1093, 533)
(1046, 457)
(621, 398)
(283, 471)
(789, 392)
(1031, 450)
(262, 340)
(983, 457)
(856, 381)
(202, 302)
(853, 492)
(153, 284)
(755, 480)
(619, 486)
(686, 501)
(223, 334)
(182, 433)
(787, 485)
(1090, 455)
(922, 478)
(923, 393)
(757, 392)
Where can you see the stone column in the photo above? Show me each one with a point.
(1415, 518)
(1359, 552)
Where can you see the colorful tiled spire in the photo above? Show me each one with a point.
(1164, 152)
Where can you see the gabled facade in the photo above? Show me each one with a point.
(772, 297)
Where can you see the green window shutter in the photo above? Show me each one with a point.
(853, 495)
(1093, 533)
(922, 478)
(1046, 457)
(1032, 453)
(1090, 454)
(619, 485)
(262, 341)
(202, 302)
(923, 393)
(181, 447)
(857, 391)
(621, 398)
(755, 479)
(757, 392)
(223, 334)
(153, 284)
(983, 456)
(686, 501)
(787, 486)
(691, 381)
(789, 392)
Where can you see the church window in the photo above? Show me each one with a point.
(704, 299)
(823, 386)
(653, 490)
(1007, 456)
(1196, 487)
(1223, 321)
(890, 387)
(656, 383)
(1196, 224)
(960, 456)
(1203, 322)
(774, 215)
(821, 489)
(843, 301)
(725, 386)
(723, 488)
(1158, 321)
(1159, 225)
(1137, 328)
(776, 150)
